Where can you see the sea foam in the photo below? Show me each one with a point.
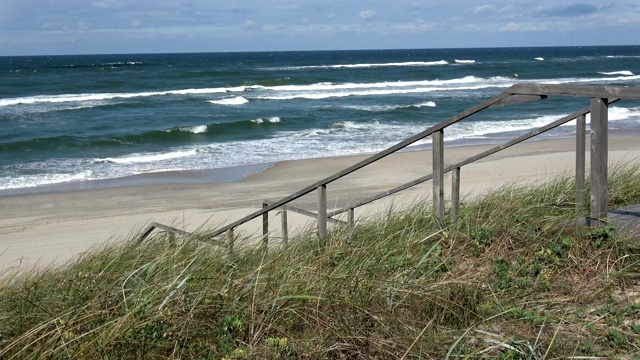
(623, 72)
(238, 100)
(150, 157)
(364, 65)
(272, 120)
(198, 129)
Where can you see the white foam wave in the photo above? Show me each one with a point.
(622, 56)
(465, 61)
(272, 120)
(198, 129)
(372, 108)
(329, 90)
(355, 66)
(539, 58)
(108, 96)
(149, 158)
(238, 100)
(623, 72)
(426, 104)
(383, 108)
(337, 94)
(31, 181)
(351, 125)
(123, 63)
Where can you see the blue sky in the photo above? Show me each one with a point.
(50, 27)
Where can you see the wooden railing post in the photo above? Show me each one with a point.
(265, 226)
(455, 194)
(322, 211)
(231, 239)
(581, 188)
(285, 227)
(351, 218)
(599, 161)
(438, 175)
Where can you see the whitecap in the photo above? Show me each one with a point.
(539, 58)
(426, 104)
(272, 120)
(108, 96)
(623, 72)
(198, 129)
(238, 100)
(149, 157)
(364, 65)
(465, 61)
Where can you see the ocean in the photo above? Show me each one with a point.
(66, 121)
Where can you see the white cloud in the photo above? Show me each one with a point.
(523, 27)
(367, 14)
(484, 9)
(50, 26)
(510, 27)
(250, 24)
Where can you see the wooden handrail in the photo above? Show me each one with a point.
(401, 145)
(155, 225)
(601, 92)
(467, 161)
(515, 94)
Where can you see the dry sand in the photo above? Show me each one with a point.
(51, 228)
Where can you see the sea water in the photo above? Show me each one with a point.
(73, 119)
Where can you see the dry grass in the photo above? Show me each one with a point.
(515, 278)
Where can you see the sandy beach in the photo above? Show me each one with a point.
(51, 228)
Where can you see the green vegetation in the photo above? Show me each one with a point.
(514, 278)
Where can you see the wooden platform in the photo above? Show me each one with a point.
(626, 221)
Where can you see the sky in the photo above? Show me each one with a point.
(56, 27)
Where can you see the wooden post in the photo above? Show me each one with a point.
(581, 188)
(438, 175)
(322, 211)
(599, 161)
(351, 218)
(285, 227)
(231, 239)
(265, 226)
(455, 194)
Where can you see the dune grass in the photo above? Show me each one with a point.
(514, 278)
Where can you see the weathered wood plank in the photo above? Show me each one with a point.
(155, 225)
(581, 188)
(601, 92)
(455, 194)
(307, 213)
(265, 224)
(351, 217)
(146, 233)
(438, 175)
(285, 227)
(322, 211)
(599, 161)
(518, 99)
